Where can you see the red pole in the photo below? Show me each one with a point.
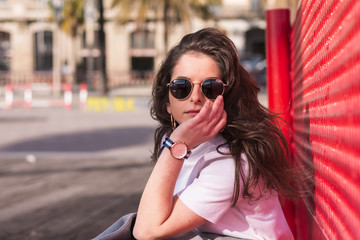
(278, 60)
(278, 78)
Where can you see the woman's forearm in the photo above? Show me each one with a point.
(157, 199)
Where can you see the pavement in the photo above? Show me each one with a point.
(139, 90)
(69, 174)
(67, 198)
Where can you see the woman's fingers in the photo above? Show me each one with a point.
(204, 112)
(205, 125)
(217, 109)
(211, 111)
(215, 112)
(211, 118)
(222, 122)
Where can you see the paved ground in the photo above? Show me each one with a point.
(70, 174)
(67, 198)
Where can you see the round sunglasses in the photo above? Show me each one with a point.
(181, 88)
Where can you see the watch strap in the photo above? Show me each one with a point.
(168, 143)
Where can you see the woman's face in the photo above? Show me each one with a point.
(196, 67)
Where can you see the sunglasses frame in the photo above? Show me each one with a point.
(192, 87)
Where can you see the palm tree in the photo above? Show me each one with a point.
(73, 16)
(71, 20)
(102, 45)
(168, 11)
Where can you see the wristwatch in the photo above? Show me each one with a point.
(178, 150)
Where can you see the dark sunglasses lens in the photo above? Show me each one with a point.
(212, 88)
(180, 88)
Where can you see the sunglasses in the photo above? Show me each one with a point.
(181, 88)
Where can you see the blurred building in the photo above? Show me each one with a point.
(32, 47)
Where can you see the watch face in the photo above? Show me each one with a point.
(179, 150)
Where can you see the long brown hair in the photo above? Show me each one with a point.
(250, 129)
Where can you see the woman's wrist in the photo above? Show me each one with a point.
(178, 149)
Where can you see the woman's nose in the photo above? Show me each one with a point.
(196, 95)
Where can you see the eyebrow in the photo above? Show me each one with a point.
(182, 77)
(190, 78)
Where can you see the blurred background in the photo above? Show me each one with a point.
(111, 43)
(75, 83)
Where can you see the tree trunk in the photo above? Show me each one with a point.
(103, 75)
(166, 25)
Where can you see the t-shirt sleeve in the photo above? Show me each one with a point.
(210, 194)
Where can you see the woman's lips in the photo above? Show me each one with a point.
(192, 113)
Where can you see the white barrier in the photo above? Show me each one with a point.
(28, 96)
(83, 95)
(67, 96)
(9, 96)
(40, 95)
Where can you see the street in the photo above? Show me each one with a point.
(70, 174)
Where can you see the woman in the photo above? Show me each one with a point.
(220, 158)
(207, 103)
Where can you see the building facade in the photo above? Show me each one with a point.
(34, 48)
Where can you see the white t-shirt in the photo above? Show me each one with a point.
(205, 185)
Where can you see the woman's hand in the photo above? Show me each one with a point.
(204, 126)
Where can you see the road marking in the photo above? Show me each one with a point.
(118, 104)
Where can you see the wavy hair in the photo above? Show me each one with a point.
(251, 128)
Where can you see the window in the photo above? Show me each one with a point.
(43, 51)
(4, 51)
(257, 7)
(142, 63)
(142, 52)
(90, 55)
(142, 39)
